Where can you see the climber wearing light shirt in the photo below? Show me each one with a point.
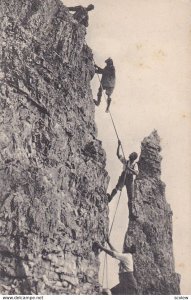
(127, 283)
(130, 170)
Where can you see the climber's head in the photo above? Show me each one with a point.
(133, 156)
(90, 7)
(109, 62)
(131, 249)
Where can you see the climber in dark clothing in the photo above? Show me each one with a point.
(107, 82)
(130, 168)
(81, 13)
(127, 283)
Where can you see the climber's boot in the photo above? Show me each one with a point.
(97, 102)
(113, 193)
(108, 197)
(133, 217)
(99, 95)
(95, 248)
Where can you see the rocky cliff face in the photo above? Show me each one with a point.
(52, 168)
(152, 231)
(53, 181)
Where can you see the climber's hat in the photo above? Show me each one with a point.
(109, 61)
(90, 7)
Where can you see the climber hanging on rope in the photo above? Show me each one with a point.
(107, 82)
(130, 169)
(127, 283)
(81, 13)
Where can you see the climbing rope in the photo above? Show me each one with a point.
(105, 264)
(121, 149)
(105, 268)
(115, 213)
(107, 281)
(114, 126)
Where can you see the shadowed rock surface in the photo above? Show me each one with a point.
(152, 231)
(52, 168)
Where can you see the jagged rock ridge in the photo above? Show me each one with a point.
(152, 231)
(52, 168)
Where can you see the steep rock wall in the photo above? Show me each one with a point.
(52, 168)
(152, 231)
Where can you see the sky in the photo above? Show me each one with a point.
(150, 44)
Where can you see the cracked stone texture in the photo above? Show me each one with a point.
(152, 231)
(53, 180)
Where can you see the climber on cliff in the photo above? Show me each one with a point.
(130, 169)
(81, 13)
(127, 283)
(107, 82)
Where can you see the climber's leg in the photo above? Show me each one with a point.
(119, 186)
(99, 95)
(130, 195)
(108, 92)
(116, 290)
(108, 104)
(127, 285)
(113, 193)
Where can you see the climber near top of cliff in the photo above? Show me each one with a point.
(127, 283)
(81, 13)
(107, 82)
(130, 169)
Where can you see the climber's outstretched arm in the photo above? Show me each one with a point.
(110, 252)
(134, 171)
(110, 245)
(98, 70)
(121, 158)
(73, 8)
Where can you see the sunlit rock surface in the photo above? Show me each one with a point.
(152, 231)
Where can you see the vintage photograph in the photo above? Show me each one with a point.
(95, 147)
